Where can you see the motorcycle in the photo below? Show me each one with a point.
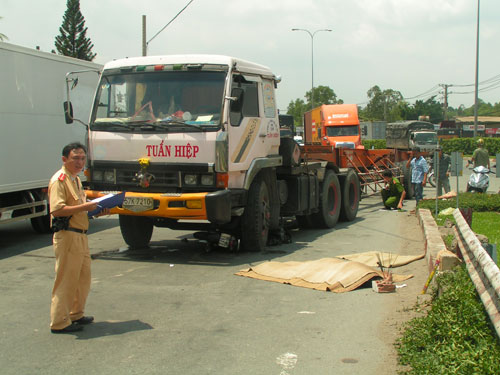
(431, 178)
(479, 181)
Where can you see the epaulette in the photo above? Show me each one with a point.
(61, 177)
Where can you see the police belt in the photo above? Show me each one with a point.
(76, 230)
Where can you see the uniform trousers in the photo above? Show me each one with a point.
(390, 201)
(72, 282)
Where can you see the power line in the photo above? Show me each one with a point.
(493, 83)
(425, 93)
(497, 77)
(172, 20)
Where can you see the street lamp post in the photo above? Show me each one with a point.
(312, 59)
(477, 73)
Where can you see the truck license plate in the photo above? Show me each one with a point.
(224, 240)
(138, 204)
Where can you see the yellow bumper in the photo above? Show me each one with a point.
(188, 206)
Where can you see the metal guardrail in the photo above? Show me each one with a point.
(482, 269)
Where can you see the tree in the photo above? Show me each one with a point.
(296, 109)
(322, 95)
(431, 108)
(72, 40)
(383, 105)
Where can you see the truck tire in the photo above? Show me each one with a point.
(351, 191)
(256, 219)
(136, 230)
(407, 182)
(329, 202)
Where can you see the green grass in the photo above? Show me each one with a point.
(455, 336)
(487, 224)
(485, 212)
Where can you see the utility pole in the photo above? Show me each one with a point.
(445, 104)
(477, 73)
(144, 44)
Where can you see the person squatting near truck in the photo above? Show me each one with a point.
(419, 170)
(70, 223)
(393, 193)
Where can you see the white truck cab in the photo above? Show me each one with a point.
(185, 136)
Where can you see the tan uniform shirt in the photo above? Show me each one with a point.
(64, 191)
(73, 275)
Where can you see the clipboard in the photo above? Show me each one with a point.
(107, 201)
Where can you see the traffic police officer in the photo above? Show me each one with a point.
(68, 208)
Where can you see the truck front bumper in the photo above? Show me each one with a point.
(215, 206)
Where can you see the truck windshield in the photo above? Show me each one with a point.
(342, 131)
(159, 101)
(426, 138)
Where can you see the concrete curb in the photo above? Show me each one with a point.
(434, 245)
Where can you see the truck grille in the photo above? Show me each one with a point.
(111, 176)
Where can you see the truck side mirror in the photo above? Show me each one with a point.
(68, 112)
(237, 103)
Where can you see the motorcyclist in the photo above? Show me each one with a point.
(480, 155)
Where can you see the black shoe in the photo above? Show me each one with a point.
(74, 327)
(84, 320)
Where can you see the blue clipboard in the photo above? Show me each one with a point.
(107, 201)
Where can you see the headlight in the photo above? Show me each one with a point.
(207, 179)
(190, 179)
(97, 175)
(109, 176)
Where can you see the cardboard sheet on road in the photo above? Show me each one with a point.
(392, 260)
(329, 274)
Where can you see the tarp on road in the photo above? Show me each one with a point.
(330, 274)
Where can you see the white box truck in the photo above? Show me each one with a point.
(33, 129)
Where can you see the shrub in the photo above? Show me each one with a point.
(376, 143)
(468, 145)
(478, 202)
(455, 337)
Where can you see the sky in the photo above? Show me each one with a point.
(412, 46)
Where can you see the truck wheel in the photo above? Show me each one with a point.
(136, 230)
(351, 191)
(41, 224)
(407, 182)
(329, 202)
(256, 218)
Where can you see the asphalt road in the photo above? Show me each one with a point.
(462, 180)
(178, 309)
